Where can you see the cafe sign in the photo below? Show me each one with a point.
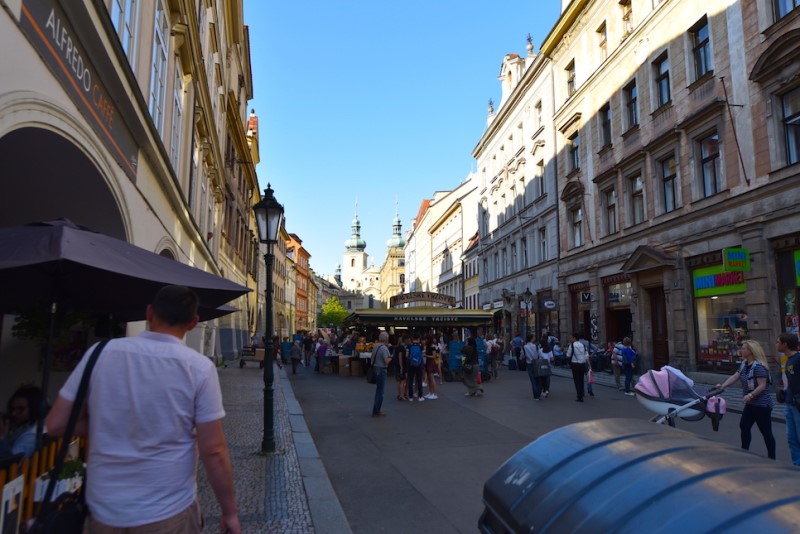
(422, 296)
(51, 34)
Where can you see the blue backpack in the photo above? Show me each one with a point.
(415, 354)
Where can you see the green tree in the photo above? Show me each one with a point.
(333, 313)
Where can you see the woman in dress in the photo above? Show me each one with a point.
(754, 376)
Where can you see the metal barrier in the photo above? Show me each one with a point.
(627, 475)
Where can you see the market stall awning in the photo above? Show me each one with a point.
(418, 316)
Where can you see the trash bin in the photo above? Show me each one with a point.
(627, 475)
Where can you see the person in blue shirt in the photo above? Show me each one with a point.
(18, 426)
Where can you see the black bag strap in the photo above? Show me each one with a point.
(80, 396)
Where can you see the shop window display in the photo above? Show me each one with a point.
(721, 327)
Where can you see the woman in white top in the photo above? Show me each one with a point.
(578, 358)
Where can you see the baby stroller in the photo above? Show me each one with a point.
(671, 394)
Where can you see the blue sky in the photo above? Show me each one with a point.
(375, 102)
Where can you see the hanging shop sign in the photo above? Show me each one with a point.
(711, 281)
(54, 38)
(735, 259)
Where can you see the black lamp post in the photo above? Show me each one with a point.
(269, 216)
(527, 296)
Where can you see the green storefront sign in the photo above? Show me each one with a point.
(714, 280)
(797, 267)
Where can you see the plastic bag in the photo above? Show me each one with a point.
(591, 376)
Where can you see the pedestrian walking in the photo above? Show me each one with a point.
(153, 406)
(787, 344)
(416, 361)
(400, 363)
(753, 373)
(578, 360)
(470, 368)
(616, 363)
(381, 358)
(296, 355)
(629, 356)
(531, 352)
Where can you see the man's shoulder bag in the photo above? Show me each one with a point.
(68, 512)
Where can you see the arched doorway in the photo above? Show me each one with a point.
(46, 176)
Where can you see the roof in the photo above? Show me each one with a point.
(419, 316)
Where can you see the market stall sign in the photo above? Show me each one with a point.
(422, 296)
(735, 259)
(712, 281)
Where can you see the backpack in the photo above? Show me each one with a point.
(495, 351)
(415, 354)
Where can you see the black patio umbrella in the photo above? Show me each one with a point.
(57, 265)
(60, 262)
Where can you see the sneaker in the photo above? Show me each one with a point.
(429, 395)
(379, 414)
(436, 375)
(547, 393)
(591, 393)
(629, 393)
(421, 399)
(468, 394)
(433, 396)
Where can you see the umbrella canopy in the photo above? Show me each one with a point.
(74, 267)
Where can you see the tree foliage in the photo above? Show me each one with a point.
(333, 313)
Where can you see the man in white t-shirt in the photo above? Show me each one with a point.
(152, 403)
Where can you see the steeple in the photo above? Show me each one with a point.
(397, 239)
(355, 243)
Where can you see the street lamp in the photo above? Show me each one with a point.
(527, 296)
(269, 216)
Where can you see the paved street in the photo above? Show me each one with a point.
(421, 468)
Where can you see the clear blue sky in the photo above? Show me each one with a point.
(376, 102)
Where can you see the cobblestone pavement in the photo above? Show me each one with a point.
(269, 489)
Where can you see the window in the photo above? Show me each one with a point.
(574, 151)
(668, 169)
(637, 199)
(661, 68)
(627, 17)
(524, 257)
(513, 257)
(177, 119)
(602, 41)
(632, 104)
(123, 16)
(504, 264)
(710, 164)
(571, 78)
(791, 125)
(576, 222)
(701, 49)
(610, 199)
(783, 7)
(539, 188)
(605, 125)
(537, 114)
(158, 74)
(543, 244)
(496, 265)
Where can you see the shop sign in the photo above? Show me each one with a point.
(586, 296)
(549, 305)
(735, 259)
(711, 281)
(54, 38)
(797, 267)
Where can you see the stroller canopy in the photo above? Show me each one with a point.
(668, 384)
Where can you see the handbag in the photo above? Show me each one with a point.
(370, 374)
(68, 513)
(541, 367)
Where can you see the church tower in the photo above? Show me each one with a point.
(355, 258)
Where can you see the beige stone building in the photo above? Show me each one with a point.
(393, 270)
(677, 163)
(141, 111)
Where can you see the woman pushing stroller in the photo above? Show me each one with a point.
(754, 376)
